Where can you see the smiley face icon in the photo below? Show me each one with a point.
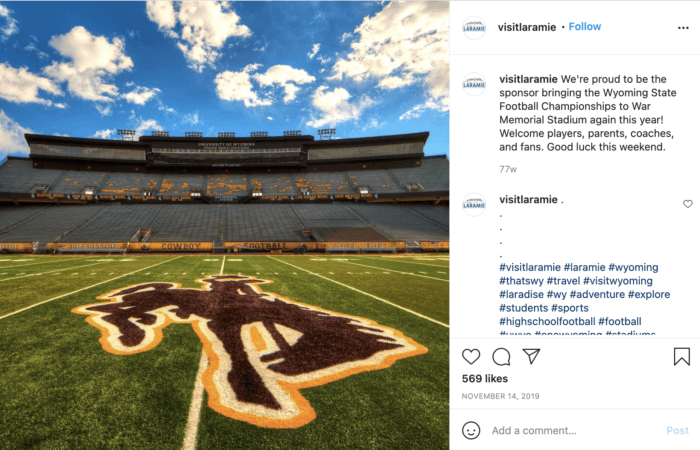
(471, 430)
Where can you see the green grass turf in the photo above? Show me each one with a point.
(414, 262)
(60, 389)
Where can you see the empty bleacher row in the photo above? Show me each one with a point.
(399, 224)
(15, 214)
(18, 176)
(51, 225)
(117, 222)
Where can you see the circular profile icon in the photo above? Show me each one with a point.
(471, 430)
(474, 84)
(473, 27)
(474, 204)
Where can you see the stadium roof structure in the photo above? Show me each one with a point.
(144, 141)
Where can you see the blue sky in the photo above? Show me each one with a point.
(86, 69)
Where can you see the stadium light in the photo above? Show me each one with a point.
(127, 135)
(258, 134)
(326, 133)
(292, 133)
(193, 134)
(226, 134)
(160, 133)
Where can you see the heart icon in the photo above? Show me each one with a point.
(471, 356)
(688, 203)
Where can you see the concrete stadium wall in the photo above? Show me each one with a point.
(87, 152)
(367, 151)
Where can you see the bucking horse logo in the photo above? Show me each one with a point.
(262, 348)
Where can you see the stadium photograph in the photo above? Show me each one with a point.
(224, 225)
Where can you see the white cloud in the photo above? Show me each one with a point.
(12, 136)
(104, 134)
(59, 134)
(324, 60)
(396, 82)
(269, 118)
(104, 110)
(236, 86)
(205, 28)
(166, 109)
(314, 50)
(345, 37)
(163, 14)
(10, 27)
(192, 119)
(251, 68)
(60, 105)
(22, 86)
(92, 60)
(402, 45)
(373, 123)
(140, 95)
(33, 48)
(129, 84)
(419, 109)
(146, 125)
(335, 107)
(286, 77)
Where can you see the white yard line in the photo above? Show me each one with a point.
(83, 289)
(48, 262)
(190, 442)
(222, 266)
(397, 271)
(365, 293)
(52, 271)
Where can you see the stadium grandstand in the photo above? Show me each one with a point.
(290, 193)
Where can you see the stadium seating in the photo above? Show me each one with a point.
(348, 234)
(399, 224)
(12, 215)
(378, 181)
(52, 225)
(72, 181)
(226, 185)
(433, 174)
(18, 176)
(262, 223)
(128, 183)
(439, 213)
(179, 185)
(117, 224)
(188, 223)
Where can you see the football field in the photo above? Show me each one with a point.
(224, 351)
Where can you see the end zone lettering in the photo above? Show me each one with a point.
(181, 246)
(17, 247)
(265, 245)
(94, 246)
(357, 245)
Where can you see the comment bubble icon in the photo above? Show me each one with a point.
(501, 357)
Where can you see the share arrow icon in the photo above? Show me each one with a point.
(532, 353)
